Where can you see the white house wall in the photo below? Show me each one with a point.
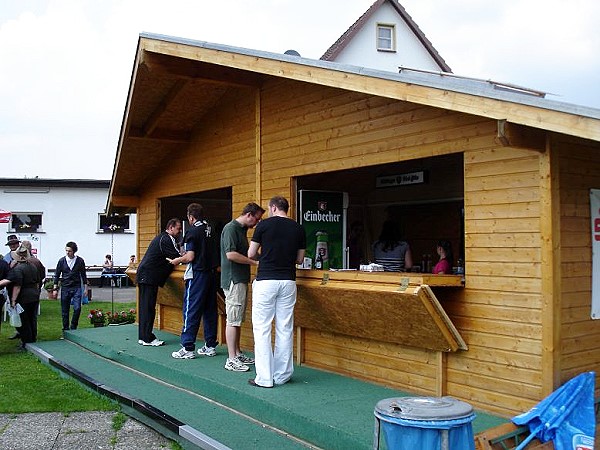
(362, 49)
(68, 214)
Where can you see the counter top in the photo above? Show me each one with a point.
(395, 278)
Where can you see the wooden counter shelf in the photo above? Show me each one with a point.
(380, 306)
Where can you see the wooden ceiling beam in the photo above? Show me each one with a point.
(154, 118)
(160, 135)
(513, 135)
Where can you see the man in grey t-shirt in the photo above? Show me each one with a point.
(235, 276)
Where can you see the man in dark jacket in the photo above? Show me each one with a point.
(153, 271)
(74, 280)
(3, 294)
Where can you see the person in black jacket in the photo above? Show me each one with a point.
(74, 279)
(153, 271)
(3, 293)
(24, 280)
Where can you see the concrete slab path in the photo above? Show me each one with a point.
(80, 430)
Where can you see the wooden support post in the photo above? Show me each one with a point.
(298, 346)
(257, 146)
(440, 375)
(551, 269)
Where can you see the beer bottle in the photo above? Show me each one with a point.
(319, 261)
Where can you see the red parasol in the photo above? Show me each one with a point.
(5, 216)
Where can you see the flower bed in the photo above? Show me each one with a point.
(121, 317)
(97, 317)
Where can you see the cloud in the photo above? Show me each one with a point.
(65, 65)
(534, 43)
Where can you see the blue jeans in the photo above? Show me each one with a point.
(68, 296)
(200, 301)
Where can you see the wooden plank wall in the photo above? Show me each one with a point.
(314, 129)
(310, 129)
(500, 313)
(579, 168)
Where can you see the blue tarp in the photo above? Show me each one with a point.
(566, 416)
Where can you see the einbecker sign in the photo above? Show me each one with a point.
(402, 179)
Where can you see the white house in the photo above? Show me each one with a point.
(385, 37)
(49, 213)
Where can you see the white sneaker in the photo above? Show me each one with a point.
(244, 359)
(182, 353)
(235, 365)
(154, 343)
(207, 351)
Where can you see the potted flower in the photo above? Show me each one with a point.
(121, 317)
(97, 317)
(49, 286)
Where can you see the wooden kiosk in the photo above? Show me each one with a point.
(509, 174)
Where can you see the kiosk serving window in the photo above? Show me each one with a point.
(425, 197)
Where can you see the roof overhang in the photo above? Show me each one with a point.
(176, 82)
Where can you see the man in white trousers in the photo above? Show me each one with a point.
(282, 243)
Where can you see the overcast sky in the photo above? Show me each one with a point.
(65, 65)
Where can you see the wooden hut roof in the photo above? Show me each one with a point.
(345, 38)
(175, 82)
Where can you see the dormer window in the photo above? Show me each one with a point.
(386, 38)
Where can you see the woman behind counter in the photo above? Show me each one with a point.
(390, 250)
(444, 265)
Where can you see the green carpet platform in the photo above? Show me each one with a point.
(201, 405)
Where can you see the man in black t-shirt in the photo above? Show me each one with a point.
(200, 277)
(282, 242)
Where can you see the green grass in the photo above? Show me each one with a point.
(119, 420)
(28, 385)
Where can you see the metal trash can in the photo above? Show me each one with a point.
(427, 423)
